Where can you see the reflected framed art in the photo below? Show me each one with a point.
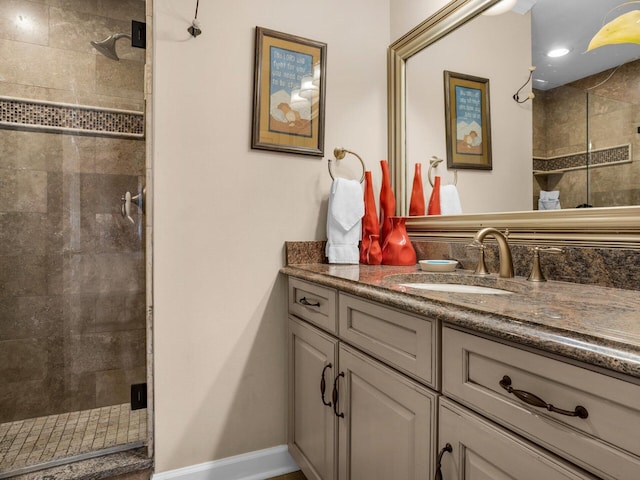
(468, 121)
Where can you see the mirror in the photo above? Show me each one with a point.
(600, 226)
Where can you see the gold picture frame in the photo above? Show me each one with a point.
(289, 93)
(468, 121)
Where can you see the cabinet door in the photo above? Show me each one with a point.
(482, 450)
(387, 431)
(312, 434)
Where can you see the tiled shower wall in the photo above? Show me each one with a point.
(560, 130)
(72, 284)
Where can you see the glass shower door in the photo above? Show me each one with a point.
(72, 268)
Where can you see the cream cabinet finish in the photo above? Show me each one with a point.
(381, 360)
(404, 341)
(314, 303)
(483, 451)
(387, 431)
(382, 427)
(606, 443)
(312, 426)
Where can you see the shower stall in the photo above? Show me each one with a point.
(73, 347)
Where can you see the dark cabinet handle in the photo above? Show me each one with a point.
(335, 396)
(323, 385)
(307, 303)
(536, 401)
(446, 448)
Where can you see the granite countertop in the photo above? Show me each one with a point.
(596, 325)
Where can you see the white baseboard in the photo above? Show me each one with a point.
(257, 465)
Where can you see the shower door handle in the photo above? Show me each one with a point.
(127, 200)
(126, 206)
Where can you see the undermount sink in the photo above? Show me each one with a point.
(463, 282)
(457, 288)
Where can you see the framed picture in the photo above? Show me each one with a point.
(466, 105)
(288, 93)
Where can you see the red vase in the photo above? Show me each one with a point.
(387, 202)
(370, 225)
(397, 248)
(374, 254)
(434, 200)
(416, 205)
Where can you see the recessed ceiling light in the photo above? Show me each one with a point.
(558, 52)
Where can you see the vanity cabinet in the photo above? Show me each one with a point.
(352, 416)
(592, 419)
(407, 386)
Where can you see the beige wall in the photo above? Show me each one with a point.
(222, 211)
(406, 14)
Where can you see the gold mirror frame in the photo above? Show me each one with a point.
(594, 227)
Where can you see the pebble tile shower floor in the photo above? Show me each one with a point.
(49, 440)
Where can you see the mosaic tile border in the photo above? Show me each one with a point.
(18, 113)
(575, 161)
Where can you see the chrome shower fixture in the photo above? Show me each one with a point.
(107, 47)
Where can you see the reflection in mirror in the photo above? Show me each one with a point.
(607, 226)
(492, 47)
(585, 111)
(579, 134)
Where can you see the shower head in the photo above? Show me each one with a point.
(107, 47)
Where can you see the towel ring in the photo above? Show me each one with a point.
(434, 162)
(340, 153)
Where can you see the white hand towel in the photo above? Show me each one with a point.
(344, 220)
(549, 200)
(449, 200)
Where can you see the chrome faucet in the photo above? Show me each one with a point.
(506, 262)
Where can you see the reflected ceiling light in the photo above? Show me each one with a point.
(558, 52)
(501, 7)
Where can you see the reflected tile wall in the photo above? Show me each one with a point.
(72, 269)
(560, 128)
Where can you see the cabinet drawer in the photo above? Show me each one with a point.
(606, 442)
(313, 303)
(404, 341)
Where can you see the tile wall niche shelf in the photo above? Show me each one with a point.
(603, 157)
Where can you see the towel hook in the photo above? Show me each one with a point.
(340, 153)
(434, 162)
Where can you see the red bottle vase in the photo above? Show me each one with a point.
(387, 202)
(374, 253)
(434, 200)
(397, 248)
(416, 205)
(370, 225)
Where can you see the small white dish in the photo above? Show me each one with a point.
(438, 265)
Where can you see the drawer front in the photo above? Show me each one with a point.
(606, 442)
(404, 341)
(313, 303)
